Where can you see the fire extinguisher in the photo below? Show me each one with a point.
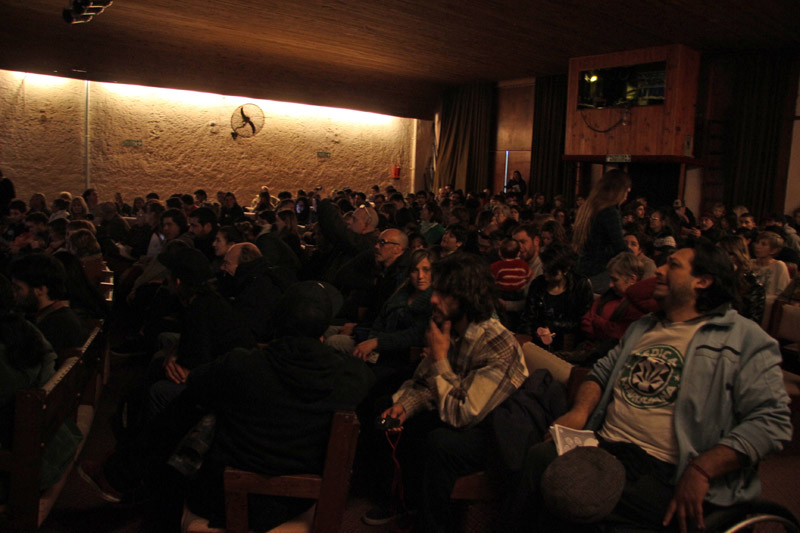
(396, 171)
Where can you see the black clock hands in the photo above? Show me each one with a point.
(247, 120)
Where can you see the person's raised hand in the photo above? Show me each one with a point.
(437, 340)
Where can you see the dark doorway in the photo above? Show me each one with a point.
(658, 182)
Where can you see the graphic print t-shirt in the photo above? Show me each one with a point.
(643, 402)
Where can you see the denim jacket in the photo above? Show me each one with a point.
(731, 393)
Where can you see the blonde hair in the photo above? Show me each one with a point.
(737, 249)
(774, 240)
(504, 209)
(610, 190)
(627, 265)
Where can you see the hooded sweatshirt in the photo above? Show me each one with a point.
(274, 405)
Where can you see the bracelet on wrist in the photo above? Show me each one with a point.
(700, 469)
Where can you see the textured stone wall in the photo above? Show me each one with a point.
(143, 140)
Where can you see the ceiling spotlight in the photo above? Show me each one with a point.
(83, 10)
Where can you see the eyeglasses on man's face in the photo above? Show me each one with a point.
(383, 242)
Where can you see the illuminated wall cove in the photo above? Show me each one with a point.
(143, 139)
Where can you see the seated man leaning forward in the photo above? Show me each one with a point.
(689, 401)
(472, 365)
(273, 409)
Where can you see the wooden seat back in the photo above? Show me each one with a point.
(330, 489)
(38, 414)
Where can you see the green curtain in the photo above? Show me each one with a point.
(463, 158)
(549, 172)
(754, 176)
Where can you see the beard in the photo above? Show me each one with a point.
(676, 297)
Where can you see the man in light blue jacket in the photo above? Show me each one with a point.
(689, 401)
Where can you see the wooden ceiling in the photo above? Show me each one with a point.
(388, 56)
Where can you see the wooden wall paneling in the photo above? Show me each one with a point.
(515, 108)
(652, 130)
(715, 124)
(682, 75)
(515, 116)
(573, 141)
(588, 138)
(615, 140)
(672, 94)
(498, 170)
(621, 138)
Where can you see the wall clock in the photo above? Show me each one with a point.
(246, 121)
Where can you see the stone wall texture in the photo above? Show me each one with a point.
(143, 140)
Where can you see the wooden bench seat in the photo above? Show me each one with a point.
(71, 394)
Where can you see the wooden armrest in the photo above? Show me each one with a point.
(296, 486)
(522, 339)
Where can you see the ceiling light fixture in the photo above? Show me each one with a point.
(83, 10)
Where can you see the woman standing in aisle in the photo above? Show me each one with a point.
(597, 233)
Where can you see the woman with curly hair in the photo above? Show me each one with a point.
(83, 244)
(751, 296)
(552, 232)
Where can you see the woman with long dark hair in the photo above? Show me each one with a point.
(78, 210)
(403, 318)
(597, 234)
(230, 212)
(400, 323)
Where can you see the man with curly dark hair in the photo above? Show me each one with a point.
(472, 365)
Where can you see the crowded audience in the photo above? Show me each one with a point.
(409, 307)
